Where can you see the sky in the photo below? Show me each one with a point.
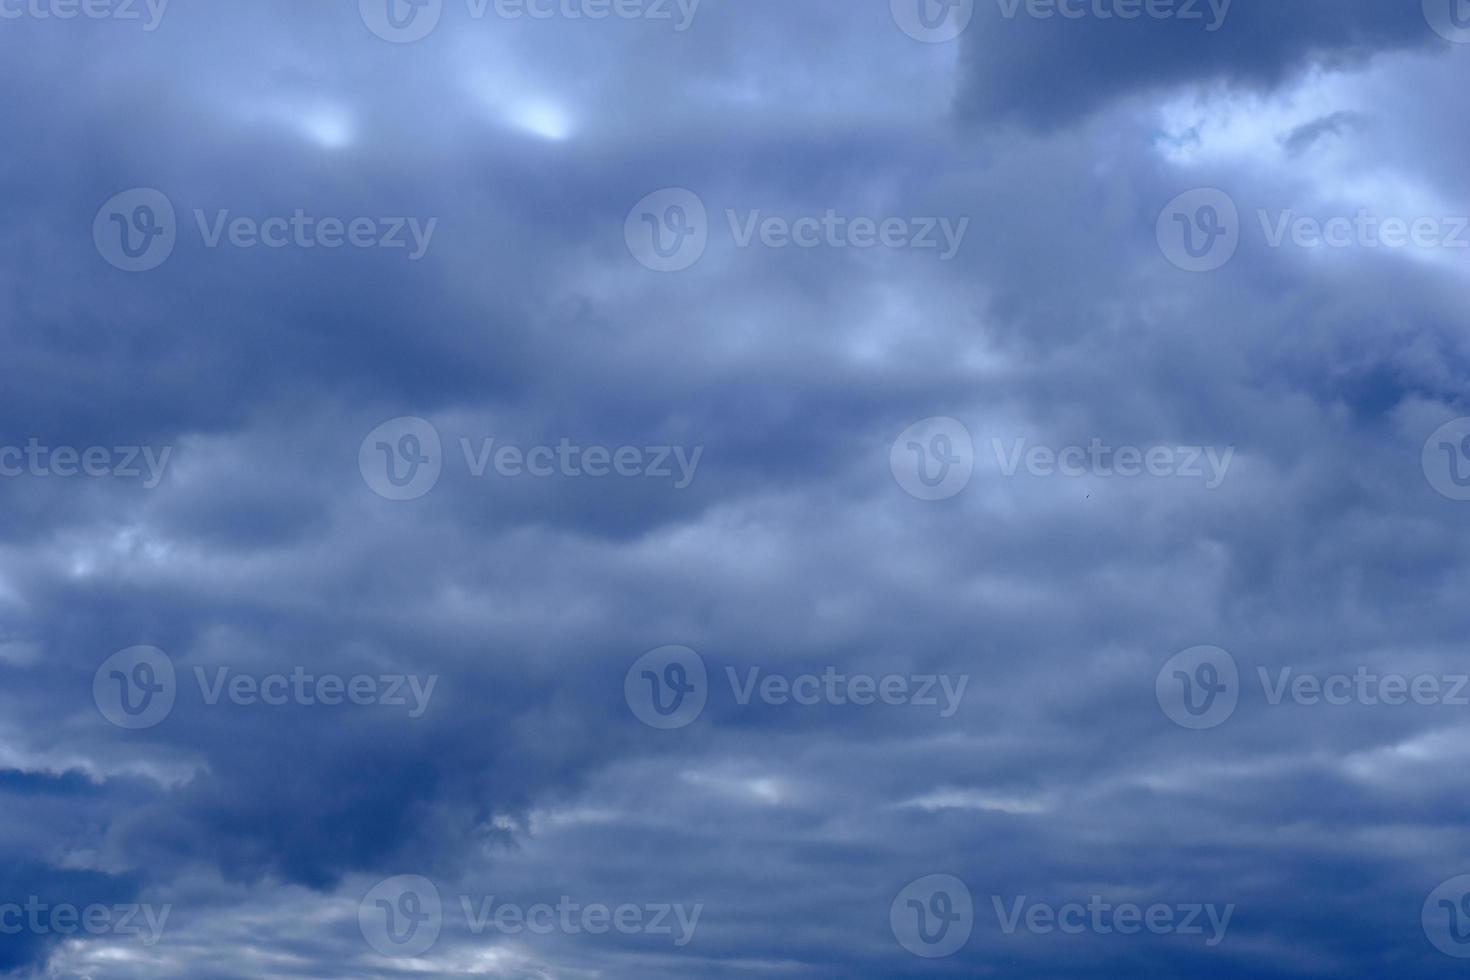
(684, 488)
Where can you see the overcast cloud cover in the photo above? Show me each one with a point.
(1107, 414)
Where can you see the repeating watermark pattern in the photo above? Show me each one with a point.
(148, 13)
(1210, 14)
(668, 688)
(403, 459)
(407, 21)
(1365, 229)
(933, 21)
(1200, 688)
(933, 459)
(1449, 18)
(1099, 917)
(669, 231)
(1099, 459)
(137, 231)
(137, 688)
(401, 916)
(39, 918)
(1446, 917)
(404, 917)
(119, 462)
(1200, 230)
(1446, 459)
(933, 916)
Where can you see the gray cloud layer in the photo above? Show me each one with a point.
(793, 550)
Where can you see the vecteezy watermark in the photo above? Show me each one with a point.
(137, 688)
(1105, 918)
(933, 916)
(137, 230)
(1200, 688)
(1207, 463)
(39, 918)
(1449, 18)
(404, 917)
(669, 230)
(1446, 459)
(1210, 13)
(668, 688)
(121, 462)
(932, 21)
(403, 458)
(934, 460)
(148, 12)
(1200, 230)
(406, 21)
(1446, 917)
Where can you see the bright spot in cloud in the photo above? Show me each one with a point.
(541, 119)
(325, 125)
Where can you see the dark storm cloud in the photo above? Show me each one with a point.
(1074, 57)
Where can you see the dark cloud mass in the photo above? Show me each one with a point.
(328, 557)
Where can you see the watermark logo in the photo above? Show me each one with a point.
(1446, 459)
(1199, 688)
(1199, 231)
(1446, 917)
(135, 688)
(136, 230)
(1363, 687)
(121, 462)
(668, 231)
(401, 21)
(567, 459)
(402, 916)
(401, 459)
(832, 687)
(1365, 229)
(41, 919)
(1104, 918)
(1180, 10)
(1449, 18)
(138, 687)
(933, 916)
(667, 688)
(933, 21)
(122, 10)
(406, 21)
(302, 230)
(1099, 459)
(933, 459)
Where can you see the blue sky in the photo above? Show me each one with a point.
(568, 489)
